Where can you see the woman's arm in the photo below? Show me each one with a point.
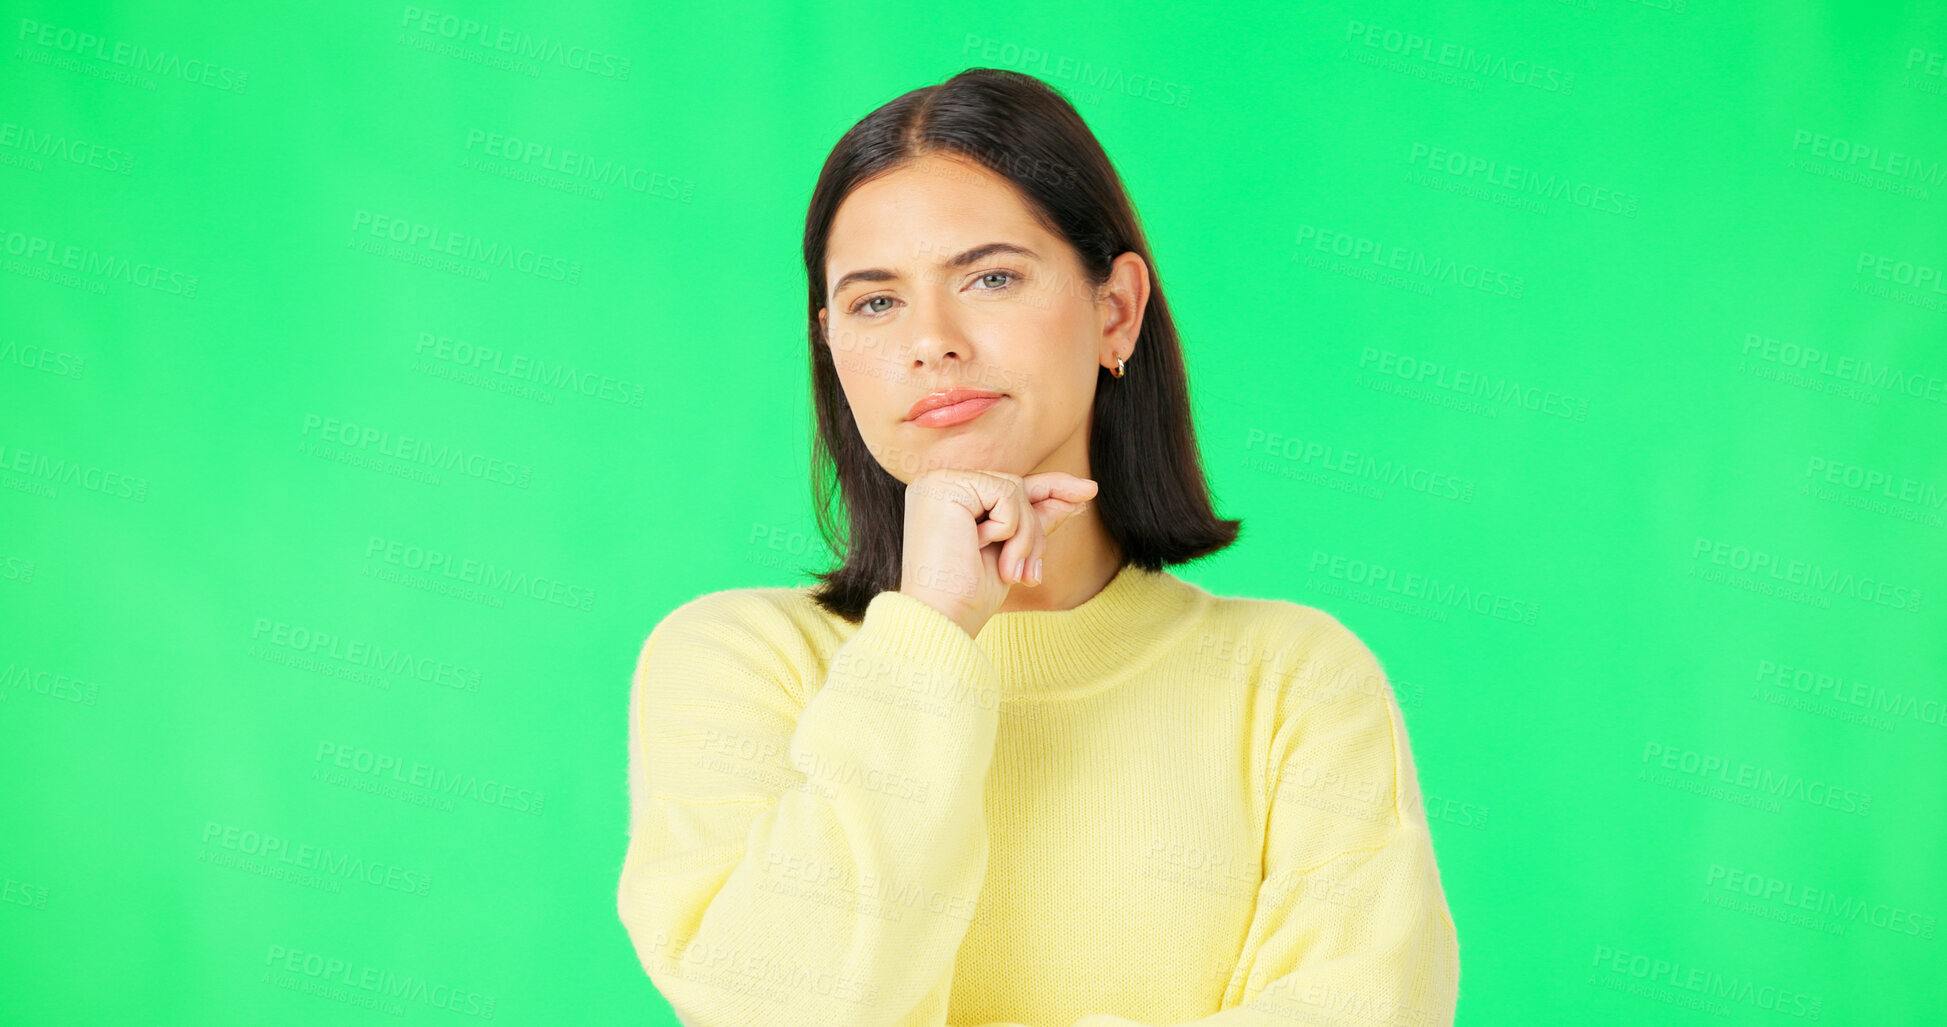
(813, 866)
(1352, 925)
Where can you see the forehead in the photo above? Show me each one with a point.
(924, 211)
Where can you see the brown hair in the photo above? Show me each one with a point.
(1152, 498)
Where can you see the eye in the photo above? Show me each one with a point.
(1011, 276)
(858, 304)
(857, 309)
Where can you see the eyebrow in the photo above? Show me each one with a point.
(981, 252)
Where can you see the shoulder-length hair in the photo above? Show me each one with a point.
(1152, 497)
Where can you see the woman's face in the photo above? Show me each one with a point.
(937, 278)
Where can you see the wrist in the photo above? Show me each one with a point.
(966, 619)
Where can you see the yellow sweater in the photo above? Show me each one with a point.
(1159, 807)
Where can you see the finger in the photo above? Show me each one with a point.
(1037, 541)
(998, 527)
(1003, 519)
(1040, 542)
(1015, 552)
(1053, 513)
(1000, 520)
(1011, 554)
(1059, 484)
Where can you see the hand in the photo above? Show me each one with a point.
(972, 535)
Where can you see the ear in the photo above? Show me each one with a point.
(824, 332)
(1124, 298)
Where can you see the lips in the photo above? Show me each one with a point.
(957, 413)
(952, 398)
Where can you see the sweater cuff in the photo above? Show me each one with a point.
(909, 630)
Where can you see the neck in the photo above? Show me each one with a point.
(1058, 654)
(1079, 559)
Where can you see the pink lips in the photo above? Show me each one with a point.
(966, 410)
(954, 406)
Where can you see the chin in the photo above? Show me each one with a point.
(947, 454)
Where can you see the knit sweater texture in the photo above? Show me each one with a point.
(1159, 807)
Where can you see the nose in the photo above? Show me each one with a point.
(936, 335)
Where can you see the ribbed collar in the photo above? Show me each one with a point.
(1057, 654)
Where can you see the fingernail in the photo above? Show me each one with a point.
(1037, 570)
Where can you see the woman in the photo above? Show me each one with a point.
(1002, 767)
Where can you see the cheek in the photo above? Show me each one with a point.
(1059, 369)
(865, 373)
(874, 404)
(846, 358)
(855, 375)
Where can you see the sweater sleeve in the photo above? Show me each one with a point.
(813, 862)
(1352, 925)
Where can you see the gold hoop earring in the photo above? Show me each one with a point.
(1118, 368)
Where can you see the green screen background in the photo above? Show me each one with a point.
(1588, 359)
